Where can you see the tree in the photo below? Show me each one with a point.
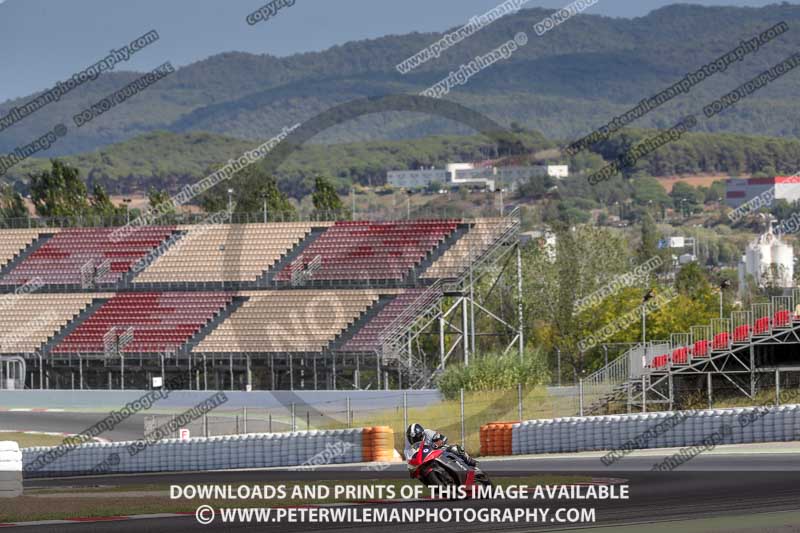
(648, 247)
(101, 205)
(325, 198)
(12, 206)
(691, 279)
(59, 192)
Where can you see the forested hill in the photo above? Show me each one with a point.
(564, 83)
(170, 160)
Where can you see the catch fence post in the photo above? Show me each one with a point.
(463, 429)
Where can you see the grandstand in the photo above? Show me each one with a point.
(292, 305)
(744, 352)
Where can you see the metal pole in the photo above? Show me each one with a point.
(463, 429)
(348, 410)
(644, 394)
(80, 370)
(230, 368)
(244, 417)
(644, 334)
(205, 373)
(270, 422)
(519, 401)
(308, 420)
(580, 395)
(291, 373)
(441, 342)
(710, 394)
(777, 387)
(122, 372)
(471, 299)
(558, 355)
(720, 302)
(249, 374)
(465, 330)
(294, 419)
(519, 304)
(405, 409)
(205, 425)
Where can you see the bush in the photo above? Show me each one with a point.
(494, 372)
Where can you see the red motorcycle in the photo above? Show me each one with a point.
(441, 467)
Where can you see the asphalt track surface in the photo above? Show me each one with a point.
(69, 422)
(714, 492)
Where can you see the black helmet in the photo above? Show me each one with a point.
(415, 433)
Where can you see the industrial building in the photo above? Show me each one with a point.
(476, 174)
(740, 191)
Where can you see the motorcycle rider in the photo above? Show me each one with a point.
(416, 433)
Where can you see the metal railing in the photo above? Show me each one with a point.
(12, 373)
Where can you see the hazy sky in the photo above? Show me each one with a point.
(43, 41)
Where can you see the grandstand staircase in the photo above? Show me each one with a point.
(73, 324)
(129, 279)
(23, 255)
(212, 324)
(394, 348)
(345, 336)
(267, 279)
(440, 250)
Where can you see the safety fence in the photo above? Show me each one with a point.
(10, 470)
(303, 449)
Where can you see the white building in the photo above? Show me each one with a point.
(769, 260)
(458, 174)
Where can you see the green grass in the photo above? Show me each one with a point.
(26, 440)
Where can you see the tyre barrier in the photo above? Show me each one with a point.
(378, 444)
(656, 430)
(10, 470)
(262, 450)
(496, 438)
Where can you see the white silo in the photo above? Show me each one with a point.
(783, 259)
(768, 254)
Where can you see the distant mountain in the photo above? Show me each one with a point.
(564, 84)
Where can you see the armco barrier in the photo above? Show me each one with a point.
(655, 430)
(10, 470)
(262, 450)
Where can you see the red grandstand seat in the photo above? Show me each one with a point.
(700, 349)
(741, 333)
(721, 341)
(160, 321)
(761, 326)
(782, 319)
(359, 250)
(680, 356)
(64, 257)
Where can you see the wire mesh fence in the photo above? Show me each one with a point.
(459, 419)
